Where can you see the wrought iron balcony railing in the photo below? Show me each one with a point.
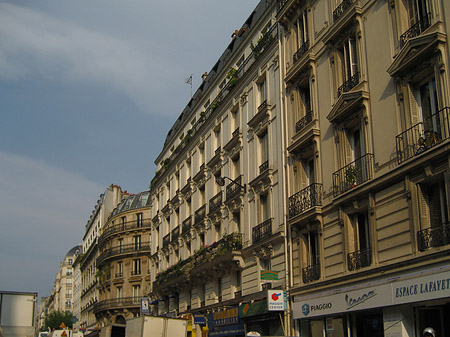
(166, 240)
(341, 9)
(308, 197)
(234, 188)
(301, 51)
(135, 272)
(186, 225)
(423, 136)
(215, 202)
(416, 29)
(311, 273)
(236, 132)
(122, 250)
(262, 231)
(348, 85)
(359, 259)
(117, 303)
(433, 237)
(264, 167)
(143, 223)
(304, 121)
(353, 174)
(200, 214)
(175, 233)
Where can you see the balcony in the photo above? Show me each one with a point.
(263, 167)
(175, 234)
(116, 303)
(200, 215)
(311, 273)
(307, 198)
(341, 9)
(166, 240)
(123, 250)
(353, 174)
(433, 237)
(423, 136)
(135, 272)
(119, 275)
(235, 188)
(262, 231)
(238, 294)
(301, 51)
(418, 28)
(215, 202)
(186, 225)
(348, 85)
(303, 122)
(359, 259)
(130, 225)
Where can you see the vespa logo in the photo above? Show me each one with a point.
(305, 309)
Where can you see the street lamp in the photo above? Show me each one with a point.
(221, 182)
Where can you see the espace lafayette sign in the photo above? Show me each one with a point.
(397, 292)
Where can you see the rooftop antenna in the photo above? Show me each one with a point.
(189, 81)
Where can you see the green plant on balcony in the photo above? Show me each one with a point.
(351, 174)
(233, 77)
(215, 105)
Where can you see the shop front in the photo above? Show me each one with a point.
(400, 306)
(226, 323)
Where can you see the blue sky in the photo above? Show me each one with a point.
(88, 91)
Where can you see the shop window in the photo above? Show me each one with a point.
(430, 317)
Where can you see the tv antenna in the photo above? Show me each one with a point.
(189, 81)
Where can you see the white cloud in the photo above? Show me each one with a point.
(43, 213)
(33, 43)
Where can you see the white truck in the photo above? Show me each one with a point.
(17, 314)
(151, 326)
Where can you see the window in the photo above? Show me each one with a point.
(263, 208)
(262, 92)
(419, 12)
(69, 271)
(219, 289)
(139, 219)
(68, 304)
(310, 256)
(137, 267)
(359, 241)
(119, 292)
(136, 293)
(348, 67)
(70, 261)
(263, 151)
(300, 35)
(265, 264)
(137, 242)
(237, 221)
(119, 269)
(120, 245)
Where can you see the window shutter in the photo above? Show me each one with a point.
(423, 208)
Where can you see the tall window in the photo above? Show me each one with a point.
(119, 292)
(360, 232)
(120, 245)
(419, 10)
(136, 293)
(263, 208)
(311, 241)
(137, 242)
(262, 92)
(348, 57)
(139, 219)
(137, 266)
(119, 269)
(264, 148)
(433, 204)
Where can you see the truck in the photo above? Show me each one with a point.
(17, 314)
(152, 326)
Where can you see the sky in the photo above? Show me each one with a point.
(88, 92)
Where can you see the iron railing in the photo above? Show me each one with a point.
(124, 249)
(433, 237)
(175, 233)
(263, 167)
(166, 240)
(423, 136)
(235, 132)
(262, 231)
(311, 273)
(186, 225)
(353, 174)
(308, 197)
(301, 51)
(200, 214)
(215, 202)
(348, 85)
(234, 188)
(262, 106)
(144, 223)
(281, 4)
(416, 29)
(117, 303)
(341, 9)
(359, 259)
(304, 121)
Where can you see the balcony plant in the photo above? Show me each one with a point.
(351, 175)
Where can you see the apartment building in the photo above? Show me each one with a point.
(365, 100)
(123, 265)
(88, 259)
(217, 198)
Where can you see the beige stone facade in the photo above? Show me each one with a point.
(123, 270)
(366, 106)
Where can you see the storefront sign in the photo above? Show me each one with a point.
(253, 309)
(199, 319)
(396, 292)
(226, 317)
(269, 276)
(225, 323)
(145, 305)
(276, 300)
